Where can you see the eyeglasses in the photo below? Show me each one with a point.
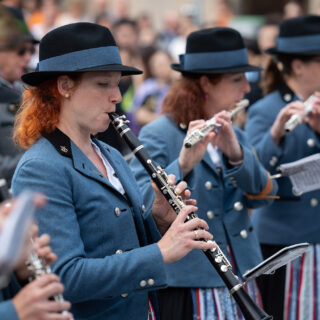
(22, 51)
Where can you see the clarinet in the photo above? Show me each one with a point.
(248, 307)
(211, 124)
(35, 265)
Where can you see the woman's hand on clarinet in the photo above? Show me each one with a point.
(182, 237)
(162, 212)
(189, 157)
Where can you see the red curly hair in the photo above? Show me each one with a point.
(185, 99)
(39, 112)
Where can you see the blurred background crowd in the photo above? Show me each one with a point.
(150, 35)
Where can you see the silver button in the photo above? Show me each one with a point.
(313, 202)
(243, 234)
(119, 251)
(143, 207)
(210, 214)
(273, 161)
(124, 295)
(287, 97)
(311, 143)
(208, 185)
(143, 283)
(183, 126)
(150, 282)
(117, 211)
(238, 206)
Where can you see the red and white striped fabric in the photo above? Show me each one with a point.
(302, 288)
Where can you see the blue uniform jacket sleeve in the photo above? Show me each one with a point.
(8, 311)
(251, 177)
(85, 278)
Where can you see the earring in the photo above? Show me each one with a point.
(67, 95)
(206, 96)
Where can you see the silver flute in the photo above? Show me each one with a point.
(211, 124)
(37, 267)
(296, 119)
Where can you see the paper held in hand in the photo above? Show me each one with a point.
(304, 174)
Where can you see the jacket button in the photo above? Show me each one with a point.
(208, 185)
(287, 97)
(143, 283)
(119, 251)
(243, 234)
(124, 295)
(210, 214)
(238, 206)
(143, 207)
(150, 282)
(313, 202)
(311, 143)
(117, 211)
(273, 161)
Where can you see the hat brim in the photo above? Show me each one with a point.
(37, 77)
(239, 69)
(295, 53)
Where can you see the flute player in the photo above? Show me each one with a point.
(293, 74)
(222, 171)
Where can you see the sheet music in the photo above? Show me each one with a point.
(14, 231)
(304, 174)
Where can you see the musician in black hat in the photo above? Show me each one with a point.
(110, 253)
(223, 173)
(292, 76)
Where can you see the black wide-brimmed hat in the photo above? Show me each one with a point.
(77, 47)
(298, 36)
(214, 51)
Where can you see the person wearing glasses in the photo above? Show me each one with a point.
(292, 76)
(16, 49)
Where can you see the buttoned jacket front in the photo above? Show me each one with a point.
(290, 219)
(220, 199)
(100, 236)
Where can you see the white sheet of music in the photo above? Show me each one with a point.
(304, 174)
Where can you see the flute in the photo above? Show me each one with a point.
(248, 307)
(35, 265)
(211, 124)
(296, 119)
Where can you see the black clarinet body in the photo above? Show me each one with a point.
(249, 309)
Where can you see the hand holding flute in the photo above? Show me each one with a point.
(212, 124)
(295, 113)
(225, 140)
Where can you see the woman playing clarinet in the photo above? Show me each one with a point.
(111, 253)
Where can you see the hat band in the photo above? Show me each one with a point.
(214, 60)
(299, 44)
(82, 59)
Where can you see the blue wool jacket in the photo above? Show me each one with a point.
(220, 198)
(291, 219)
(7, 309)
(100, 236)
